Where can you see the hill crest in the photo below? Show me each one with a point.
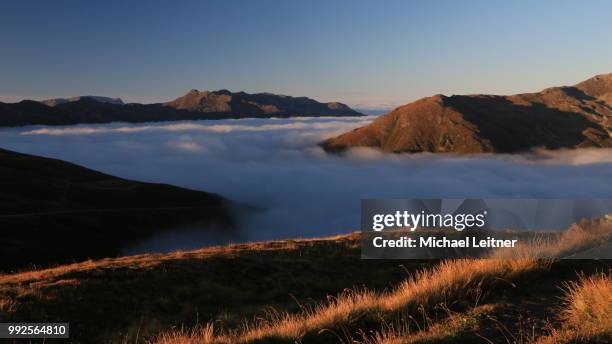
(557, 117)
(100, 99)
(225, 101)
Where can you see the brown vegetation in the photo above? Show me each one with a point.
(587, 312)
(273, 292)
(111, 299)
(450, 286)
(558, 117)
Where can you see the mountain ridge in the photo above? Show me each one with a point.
(194, 105)
(56, 101)
(557, 117)
(225, 101)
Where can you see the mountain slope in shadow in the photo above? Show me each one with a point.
(194, 105)
(558, 117)
(53, 211)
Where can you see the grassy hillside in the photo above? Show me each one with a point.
(316, 291)
(510, 300)
(142, 295)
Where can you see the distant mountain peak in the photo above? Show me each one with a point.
(225, 91)
(100, 99)
(607, 77)
(599, 86)
(225, 101)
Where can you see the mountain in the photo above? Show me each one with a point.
(194, 105)
(53, 211)
(599, 87)
(56, 101)
(242, 103)
(557, 117)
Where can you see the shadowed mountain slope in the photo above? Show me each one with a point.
(558, 117)
(224, 101)
(53, 211)
(194, 105)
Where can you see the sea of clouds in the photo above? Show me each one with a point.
(276, 165)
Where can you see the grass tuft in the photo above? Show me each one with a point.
(587, 317)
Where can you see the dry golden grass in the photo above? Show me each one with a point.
(138, 297)
(581, 236)
(590, 302)
(585, 317)
(588, 312)
(198, 335)
(181, 278)
(450, 281)
(433, 332)
(150, 260)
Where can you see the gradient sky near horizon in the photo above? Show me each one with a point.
(369, 54)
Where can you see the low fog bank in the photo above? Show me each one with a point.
(276, 165)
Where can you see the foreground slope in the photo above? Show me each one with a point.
(279, 292)
(558, 117)
(109, 300)
(495, 301)
(52, 211)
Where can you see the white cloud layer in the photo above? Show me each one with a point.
(275, 164)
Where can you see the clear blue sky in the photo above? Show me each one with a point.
(365, 53)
